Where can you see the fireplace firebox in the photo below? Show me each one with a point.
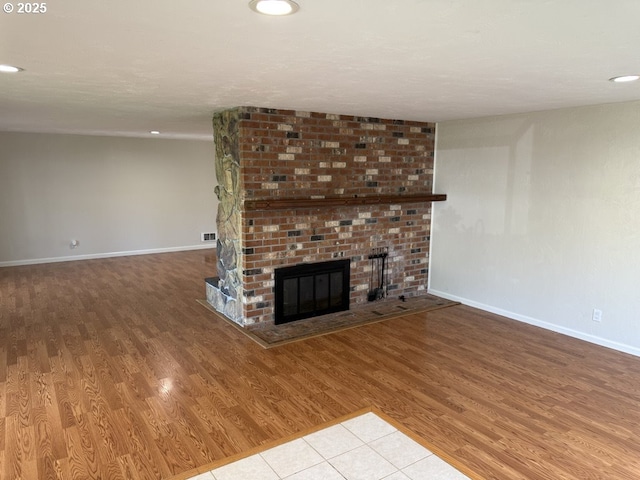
(309, 290)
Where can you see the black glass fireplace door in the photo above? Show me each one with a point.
(309, 290)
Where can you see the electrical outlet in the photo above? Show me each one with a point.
(597, 315)
(207, 237)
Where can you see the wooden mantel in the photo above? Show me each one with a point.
(295, 203)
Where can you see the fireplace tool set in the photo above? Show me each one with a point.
(378, 257)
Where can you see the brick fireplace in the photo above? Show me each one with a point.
(303, 187)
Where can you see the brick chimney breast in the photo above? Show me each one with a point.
(265, 154)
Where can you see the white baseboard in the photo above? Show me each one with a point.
(603, 342)
(36, 261)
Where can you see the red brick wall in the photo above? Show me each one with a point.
(291, 154)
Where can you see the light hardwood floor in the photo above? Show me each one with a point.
(110, 369)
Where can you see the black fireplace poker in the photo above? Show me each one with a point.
(378, 257)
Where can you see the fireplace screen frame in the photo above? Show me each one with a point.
(311, 285)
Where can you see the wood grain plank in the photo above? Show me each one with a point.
(333, 202)
(110, 369)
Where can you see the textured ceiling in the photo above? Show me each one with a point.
(124, 67)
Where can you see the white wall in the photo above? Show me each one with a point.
(542, 219)
(115, 195)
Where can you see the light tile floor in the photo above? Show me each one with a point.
(362, 448)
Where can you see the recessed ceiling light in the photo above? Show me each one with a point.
(154, 132)
(10, 69)
(625, 78)
(274, 7)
